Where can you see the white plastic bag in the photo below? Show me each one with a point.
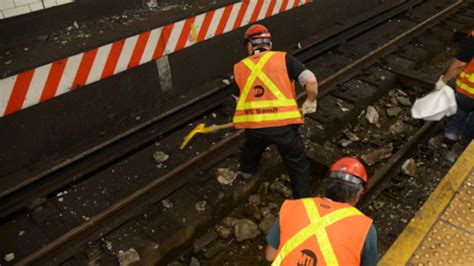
(435, 105)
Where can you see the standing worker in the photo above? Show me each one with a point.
(267, 107)
(463, 68)
(329, 230)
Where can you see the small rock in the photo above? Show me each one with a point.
(282, 189)
(372, 115)
(264, 211)
(263, 189)
(451, 156)
(378, 204)
(128, 257)
(226, 176)
(351, 136)
(61, 199)
(76, 25)
(394, 111)
(176, 263)
(252, 211)
(273, 205)
(404, 100)
(160, 157)
(226, 82)
(43, 38)
(267, 223)
(409, 167)
(245, 229)
(299, 46)
(194, 262)
(344, 142)
(200, 206)
(255, 199)
(376, 155)
(223, 231)
(22, 232)
(229, 221)
(168, 204)
(9, 257)
(398, 127)
(151, 3)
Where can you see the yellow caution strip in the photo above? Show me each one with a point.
(407, 243)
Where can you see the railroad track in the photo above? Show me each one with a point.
(110, 215)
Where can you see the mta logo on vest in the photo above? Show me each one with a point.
(308, 258)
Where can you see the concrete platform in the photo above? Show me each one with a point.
(442, 232)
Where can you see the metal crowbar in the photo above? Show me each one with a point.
(201, 128)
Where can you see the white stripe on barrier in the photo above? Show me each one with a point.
(70, 72)
(6, 89)
(232, 17)
(36, 86)
(99, 63)
(151, 45)
(174, 37)
(126, 54)
(211, 32)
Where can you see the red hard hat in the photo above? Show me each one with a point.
(257, 31)
(349, 169)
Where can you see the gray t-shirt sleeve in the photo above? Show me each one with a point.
(273, 237)
(369, 255)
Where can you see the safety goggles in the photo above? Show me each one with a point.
(347, 177)
(260, 41)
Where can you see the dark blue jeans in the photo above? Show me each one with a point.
(291, 149)
(462, 122)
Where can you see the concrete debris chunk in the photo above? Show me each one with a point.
(264, 211)
(351, 136)
(215, 249)
(374, 156)
(404, 100)
(229, 221)
(245, 229)
(151, 3)
(226, 176)
(223, 231)
(372, 115)
(226, 82)
(394, 111)
(255, 199)
(267, 223)
(409, 167)
(168, 204)
(22, 232)
(400, 92)
(160, 157)
(9, 257)
(344, 142)
(194, 262)
(252, 211)
(200, 206)
(398, 127)
(128, 257)
(280, 188)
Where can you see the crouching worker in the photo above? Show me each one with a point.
(328, 230)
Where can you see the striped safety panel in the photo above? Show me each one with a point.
(45, 82)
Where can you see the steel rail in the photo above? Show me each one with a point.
(182, 173)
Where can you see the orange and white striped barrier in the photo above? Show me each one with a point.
(45, 82)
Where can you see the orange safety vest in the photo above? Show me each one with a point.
(321, 232)
(465, 80)
(267, 96)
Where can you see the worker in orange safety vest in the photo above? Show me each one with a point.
(462, 123)
(328, 230)
(267, 108)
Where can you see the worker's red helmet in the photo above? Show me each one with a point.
(257, 34)
(350, 170)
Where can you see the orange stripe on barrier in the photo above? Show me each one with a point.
(185, 33)
(139, 49)
(54, 77)
(283, 5)
(270, 9)
(296, 3)
(20, 89)
(205, 25)
(256, 11)
(84, 68)
(113, 58)
(225, 18)
(240, 17)
(161, 45)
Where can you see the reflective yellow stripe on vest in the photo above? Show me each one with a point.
(258, 73)
(316, 228)
(470, 77)
(465, 87)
